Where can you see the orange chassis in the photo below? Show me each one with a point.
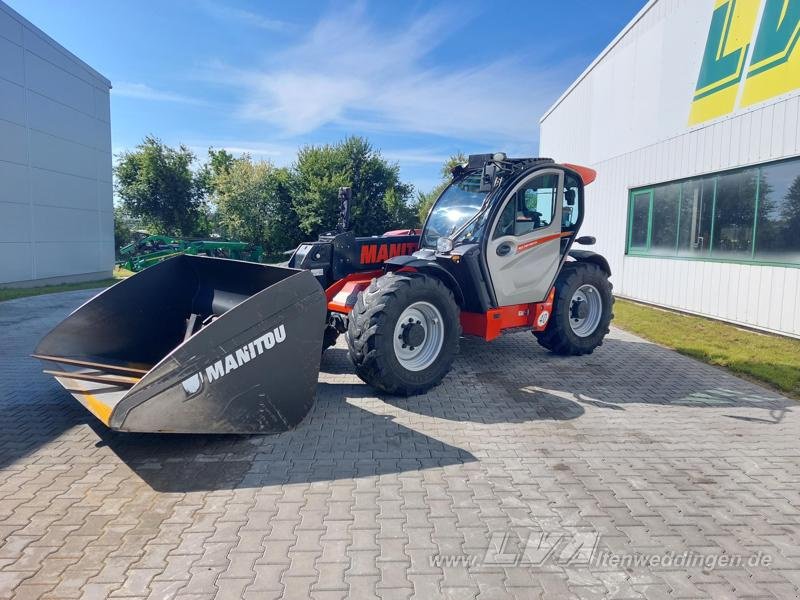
(489, 325)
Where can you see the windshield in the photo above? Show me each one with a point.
(457, 205)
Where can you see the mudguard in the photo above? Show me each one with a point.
(427, 266)
(592, 257)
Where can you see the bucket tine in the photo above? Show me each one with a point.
(96, 377)
(88, 363)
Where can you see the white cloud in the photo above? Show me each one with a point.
(350, 73)
(222, 11)
(143, 91)
(283, 154)
(416, 156)
(279, 154)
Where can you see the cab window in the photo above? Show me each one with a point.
(532, 207)
(570, 210)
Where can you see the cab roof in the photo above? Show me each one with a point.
(477, 162)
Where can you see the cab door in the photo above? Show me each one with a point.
(524, 249)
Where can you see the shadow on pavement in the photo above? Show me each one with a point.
(350, 432)
(337, 440)
(461, 398)
(513, 380)
(34, 409)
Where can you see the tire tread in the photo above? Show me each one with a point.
(556, 338)
(368, 321)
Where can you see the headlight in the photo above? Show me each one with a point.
(444, 244)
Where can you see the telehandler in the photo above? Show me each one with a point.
(208, 345)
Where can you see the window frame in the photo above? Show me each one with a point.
(512, 197)
(579, 202)
(709, 256)
(634, 193)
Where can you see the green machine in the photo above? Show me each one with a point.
(152, 249)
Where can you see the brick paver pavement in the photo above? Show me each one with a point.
(496, 484)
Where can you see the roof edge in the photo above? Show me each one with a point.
(639, 16)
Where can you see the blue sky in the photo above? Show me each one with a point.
(420, 80)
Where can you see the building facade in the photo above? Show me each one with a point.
(690, 117)
(56, 198)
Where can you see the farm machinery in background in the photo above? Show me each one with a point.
(148, 250)
(207, 345)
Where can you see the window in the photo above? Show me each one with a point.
(640, 220)
(532, 207)
(664, 227)
(734, 214)
(694, 226)
(745, 215)
(778, 226)
(459, 203)
(570, 208)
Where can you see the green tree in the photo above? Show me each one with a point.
(219, 163)
(401, 214)
(379, 198)
(122, 232)
(156, 183)
(425, 200)
(253, 203)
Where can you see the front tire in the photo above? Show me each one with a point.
(403, 333)
(581, 311)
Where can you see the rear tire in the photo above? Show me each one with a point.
(410, 356)
(573, 329)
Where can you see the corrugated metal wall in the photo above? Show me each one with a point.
(628, 118)
(56, 196)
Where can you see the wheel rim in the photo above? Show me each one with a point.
(585, 310)
(418, 336)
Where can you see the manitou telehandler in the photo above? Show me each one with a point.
(197, 344)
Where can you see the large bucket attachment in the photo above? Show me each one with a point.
(195, 345)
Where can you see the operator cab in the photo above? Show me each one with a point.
(503, 227)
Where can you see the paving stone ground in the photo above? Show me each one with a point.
(631, 473)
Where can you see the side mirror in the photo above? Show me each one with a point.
(586, 240)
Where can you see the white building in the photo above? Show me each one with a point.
(690, 117)
(56, 206)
